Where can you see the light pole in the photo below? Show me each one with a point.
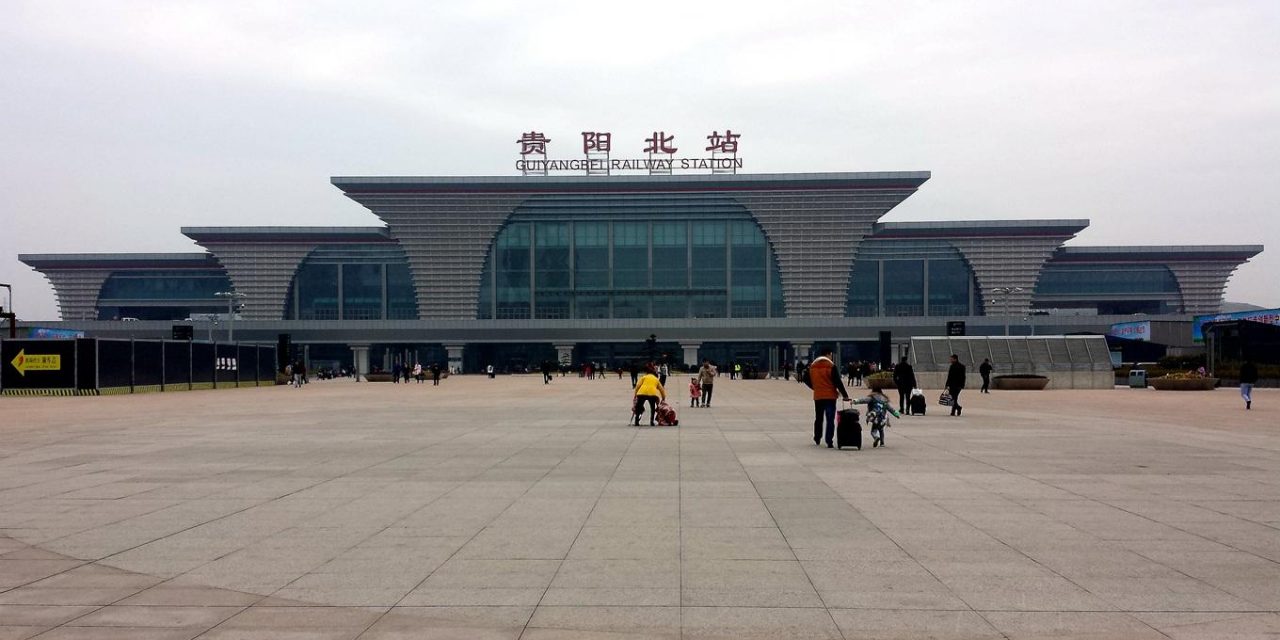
(231, 297)
(11, 315)
(1006, 293)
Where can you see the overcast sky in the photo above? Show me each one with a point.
(123, 121)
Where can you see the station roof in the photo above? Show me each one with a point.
(633, 183)
(1158, 253)
(288, 234)
(978, 228)
(60, 261)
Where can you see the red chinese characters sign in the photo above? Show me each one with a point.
(660, 147)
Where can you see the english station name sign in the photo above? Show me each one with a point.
(597, 147)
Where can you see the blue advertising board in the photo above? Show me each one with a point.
(1140, 330)
(1264, 316)
(45, 333)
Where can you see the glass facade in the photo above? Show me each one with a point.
(910, 278)
(630, 258)
(353, 282)
(1110, 288)
(172, 294)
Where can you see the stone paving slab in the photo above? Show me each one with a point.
(511, 509)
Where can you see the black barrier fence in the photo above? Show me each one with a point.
(99, 365)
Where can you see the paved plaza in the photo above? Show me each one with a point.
(511, 509)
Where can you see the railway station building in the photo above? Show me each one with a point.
(734, 267)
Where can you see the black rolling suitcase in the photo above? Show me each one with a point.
(848, 429)
(917, 405)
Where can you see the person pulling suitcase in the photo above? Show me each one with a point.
(823, 376)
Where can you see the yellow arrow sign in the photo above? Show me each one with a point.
(36, 362)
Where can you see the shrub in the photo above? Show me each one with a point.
(1179, 363)
(880, 379)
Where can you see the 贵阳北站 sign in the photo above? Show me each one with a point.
(659, 148)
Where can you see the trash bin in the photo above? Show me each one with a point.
(1138, 379)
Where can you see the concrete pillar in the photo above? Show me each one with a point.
(564, 353)
(802, 351)
(455, 357)
(360, 360)
(690, 353)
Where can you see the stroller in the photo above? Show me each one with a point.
(878, 412)
(667, 415)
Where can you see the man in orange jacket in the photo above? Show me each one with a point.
(824, 378)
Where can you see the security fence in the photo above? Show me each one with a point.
(95, 366)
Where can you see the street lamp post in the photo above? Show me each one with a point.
(12, 315)
(1006, 293)
(231, 297)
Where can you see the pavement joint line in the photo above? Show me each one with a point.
(433, 444)
(985, 476)
(905, 551)
(481, 529)
(1100, 502)
(308, 487)
(680, 525)
(940, 505)
(612, 472)
(782, 533)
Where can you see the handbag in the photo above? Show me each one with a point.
(945, 399)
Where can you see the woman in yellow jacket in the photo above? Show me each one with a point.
(648, 389)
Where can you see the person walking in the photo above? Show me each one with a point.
(649, 389)
(1248, 378)
(395, 372)
(489, 370)
(546, 372)
(635, 373)
(864, 370)
(695, 392)
(904, 376)
(435, 374)
(663, 371)
(417, 372)
(707, 378)
(955, 384)
(825, 380)
(985, 370)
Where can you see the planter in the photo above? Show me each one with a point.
(1020, 383)
(1183, 384)
(377, 377)
(880, 380)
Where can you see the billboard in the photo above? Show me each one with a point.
(1264, 316)
(45, 333)
(38, 364)
(1140, 330)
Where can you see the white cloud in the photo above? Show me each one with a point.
(1159, 121)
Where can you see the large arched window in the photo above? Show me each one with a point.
(910, 278)
(1109, 288)
(353, 282)
(630, 257)
(162, 294)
